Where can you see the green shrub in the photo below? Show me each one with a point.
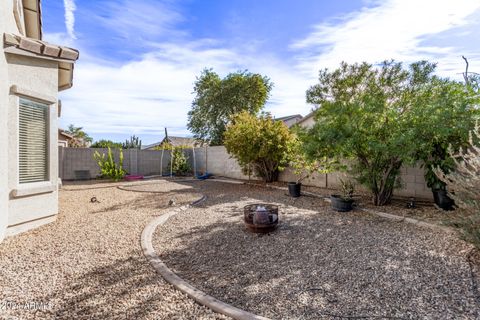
(106, 144)
(180, 164)
(260, 145)
(108, 167)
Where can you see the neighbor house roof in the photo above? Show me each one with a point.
(308, 116)
(289, 117)
(290, 120)
(63, 133)
(181, 141)
(174, 141)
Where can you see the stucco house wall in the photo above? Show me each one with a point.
(35, 76)
(39, 206)
(7, 23)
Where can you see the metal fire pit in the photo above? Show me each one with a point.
(261, 217)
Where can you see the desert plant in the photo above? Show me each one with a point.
(260, 144)
(108, 167)
(133, 143)
(347, 188)
(180, 164)
(464, 186)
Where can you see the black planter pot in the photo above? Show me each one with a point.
(340, 204)
(294, 189)
(442, 199)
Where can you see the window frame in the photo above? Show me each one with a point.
(48, 106)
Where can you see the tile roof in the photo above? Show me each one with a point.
(39, 47)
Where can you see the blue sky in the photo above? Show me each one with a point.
(139, 58)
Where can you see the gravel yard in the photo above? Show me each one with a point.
(319, 264)
(89, 263)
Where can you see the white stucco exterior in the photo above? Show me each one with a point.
(28, 205)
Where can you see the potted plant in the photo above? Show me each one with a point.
(439, 188)
(439, 159)
(303, 169)
(344, 202)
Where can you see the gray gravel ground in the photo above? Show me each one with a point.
(89, 264)
(319, 264)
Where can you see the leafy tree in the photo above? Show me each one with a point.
(446, 121)
(80, 138)
(218, 99)
(133, 143)
(106, 144)
(260, 144)
(374, 117)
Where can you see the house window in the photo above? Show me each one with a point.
(33, 141)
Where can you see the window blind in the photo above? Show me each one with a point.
(33, 141)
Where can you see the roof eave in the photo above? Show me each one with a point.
(32, 12)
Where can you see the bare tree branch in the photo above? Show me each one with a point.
(465, 75)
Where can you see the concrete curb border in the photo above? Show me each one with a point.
(160, 267)
(206, 300)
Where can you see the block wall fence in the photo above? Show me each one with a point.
(217, 161)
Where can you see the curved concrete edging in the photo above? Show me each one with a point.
(201, 297)
(180, 284)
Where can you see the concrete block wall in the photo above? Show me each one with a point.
(144, 162)
(152, 162)
(217, 161)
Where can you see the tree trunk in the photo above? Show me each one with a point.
(384, 197)
(271, 176)
(383, 190)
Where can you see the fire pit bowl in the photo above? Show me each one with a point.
(261, 217)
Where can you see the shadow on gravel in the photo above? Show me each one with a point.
(115, 291)
(321, 266)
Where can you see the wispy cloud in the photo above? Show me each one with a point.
(70, 8)
(153, 90)
(389, 29)
(139, 20)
